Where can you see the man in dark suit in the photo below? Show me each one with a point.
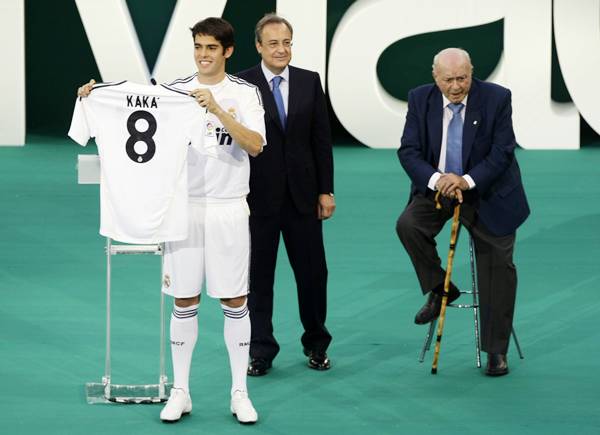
(458, 140)
(291, 193)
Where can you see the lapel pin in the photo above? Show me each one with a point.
(474, 122)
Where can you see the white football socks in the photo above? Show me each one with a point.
(184, 333)
(236, 332)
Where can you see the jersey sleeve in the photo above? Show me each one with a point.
(80, 130)
(253, 115)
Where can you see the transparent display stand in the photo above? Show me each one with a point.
(105, 391)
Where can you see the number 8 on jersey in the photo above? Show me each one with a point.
(145, 136)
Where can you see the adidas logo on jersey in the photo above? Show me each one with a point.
(142, 101)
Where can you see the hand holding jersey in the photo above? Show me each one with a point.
(249, 140)
(84, 90)
(205, 98)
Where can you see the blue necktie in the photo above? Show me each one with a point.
(279, 99)
(454, 141)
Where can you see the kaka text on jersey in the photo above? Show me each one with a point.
(143, 101)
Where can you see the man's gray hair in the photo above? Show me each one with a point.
(464, 53)
(271, 18)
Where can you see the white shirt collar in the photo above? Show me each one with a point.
(213, 86)
(447, 101)
(285, 74)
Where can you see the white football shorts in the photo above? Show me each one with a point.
(217, 251)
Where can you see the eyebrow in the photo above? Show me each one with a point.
(454, 77)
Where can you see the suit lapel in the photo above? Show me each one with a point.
(268, 99)
(472, 122)
(434, 124)
(293, 95)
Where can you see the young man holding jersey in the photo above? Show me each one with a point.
(217, 249)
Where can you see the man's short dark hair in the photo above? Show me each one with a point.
(271, 18)
(218, 28)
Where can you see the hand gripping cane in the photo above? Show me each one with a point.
(453, 239)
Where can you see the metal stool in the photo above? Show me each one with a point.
(475, 306)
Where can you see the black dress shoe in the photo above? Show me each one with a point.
(317, 360)
(259, 366)
(431, 310)
(497, 364)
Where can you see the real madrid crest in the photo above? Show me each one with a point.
(210, 129)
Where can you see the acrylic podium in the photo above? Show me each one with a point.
(88, 170)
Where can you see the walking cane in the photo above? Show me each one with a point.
(453, 237)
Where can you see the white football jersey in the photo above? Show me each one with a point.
(226, 174)
(142, 133)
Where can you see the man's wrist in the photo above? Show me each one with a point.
(470, 182)
(218, 112)
(432, 184)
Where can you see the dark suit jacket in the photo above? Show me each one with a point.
(300, 158)
(488, 151)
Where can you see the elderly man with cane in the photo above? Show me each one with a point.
(458, 142)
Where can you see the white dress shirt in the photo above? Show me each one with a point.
(284, 85)
(447, 116)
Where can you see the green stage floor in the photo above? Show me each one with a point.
(52, 315)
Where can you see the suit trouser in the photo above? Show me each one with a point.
(303, 238)
(417, 228)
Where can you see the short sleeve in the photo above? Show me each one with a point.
(253, 115)
(80, 129)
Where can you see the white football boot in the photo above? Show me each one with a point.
(179, 403)
(242, 409)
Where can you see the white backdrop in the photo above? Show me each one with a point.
(368, 27)
(12, 72)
